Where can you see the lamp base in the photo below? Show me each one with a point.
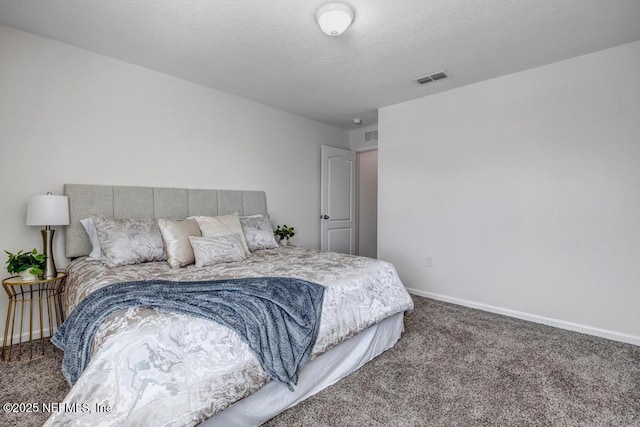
(47, 245)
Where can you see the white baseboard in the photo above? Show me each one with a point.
(25, 336)
(589, 330)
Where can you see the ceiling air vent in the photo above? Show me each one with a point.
(433, 77)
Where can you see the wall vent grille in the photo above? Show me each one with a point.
(432, 77)
(371, 136)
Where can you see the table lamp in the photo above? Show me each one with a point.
(47, 210)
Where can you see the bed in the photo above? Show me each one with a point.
(158, 367)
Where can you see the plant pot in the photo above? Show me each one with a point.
(284, 242)
(28, 277)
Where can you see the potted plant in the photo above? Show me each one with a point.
(29, 265)
(284, 233)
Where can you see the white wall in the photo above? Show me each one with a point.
(525, 190)
(71, 116)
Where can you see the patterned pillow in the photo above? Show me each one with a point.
(258, 232)
(216, 250)
(223, 225)
(175, 238)
(128, 241)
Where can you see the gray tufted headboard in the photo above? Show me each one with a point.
(149, 203)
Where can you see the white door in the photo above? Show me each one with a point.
(338, 200)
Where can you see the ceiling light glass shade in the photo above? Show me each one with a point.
(48, 210)
(334, 18)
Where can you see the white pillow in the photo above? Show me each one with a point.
(223, 225)
(218, 249)
(92, 232)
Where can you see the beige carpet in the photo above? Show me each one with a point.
(454, 366)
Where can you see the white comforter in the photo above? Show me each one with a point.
(165, 369)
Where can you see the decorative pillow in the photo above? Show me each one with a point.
(128, 241)
(175, 238)
(95, 254)
(258, 232)
(218, 249)
(213, 226)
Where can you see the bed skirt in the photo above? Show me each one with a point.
(320, 373)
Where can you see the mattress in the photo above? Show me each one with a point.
(151, 367)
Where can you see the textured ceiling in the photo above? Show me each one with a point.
(274, 53)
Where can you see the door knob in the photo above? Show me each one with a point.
(324, 216)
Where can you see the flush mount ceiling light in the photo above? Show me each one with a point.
(334, 18)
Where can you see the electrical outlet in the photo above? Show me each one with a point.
(429, 262)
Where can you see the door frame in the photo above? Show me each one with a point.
(358, 189)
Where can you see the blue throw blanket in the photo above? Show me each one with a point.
(278, 317)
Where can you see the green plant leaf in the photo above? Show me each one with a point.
(19, 262)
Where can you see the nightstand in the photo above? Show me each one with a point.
(26, 297)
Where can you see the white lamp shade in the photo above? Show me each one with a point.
(48, 209)
(334, 18)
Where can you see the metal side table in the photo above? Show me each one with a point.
(26, 297)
